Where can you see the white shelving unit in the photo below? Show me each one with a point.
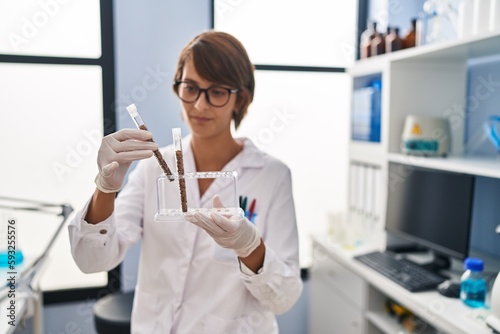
(480, 166)
(428, 80)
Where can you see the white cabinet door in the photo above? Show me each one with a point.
(336, 297)
(330, 313)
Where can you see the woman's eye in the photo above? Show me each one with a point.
(190, 88)
(218, 91)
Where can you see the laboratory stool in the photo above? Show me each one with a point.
(112, 313)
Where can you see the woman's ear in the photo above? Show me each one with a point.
(241, 99)
(240, 107)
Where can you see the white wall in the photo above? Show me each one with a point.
(149, 37)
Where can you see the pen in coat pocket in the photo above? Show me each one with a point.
(252, 209)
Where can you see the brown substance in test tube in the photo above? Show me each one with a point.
(159, 157)
(182, 181)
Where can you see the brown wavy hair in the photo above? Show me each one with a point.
(221, 58)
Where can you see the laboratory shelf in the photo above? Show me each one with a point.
(389, 325)
(458, 50)
(369, 66)
(474, 165)
(367, 152)
(383, 322)
(463, 49)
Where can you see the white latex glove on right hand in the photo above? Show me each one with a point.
(117, 152)
(236, 233)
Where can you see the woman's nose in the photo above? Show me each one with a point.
(202, 102)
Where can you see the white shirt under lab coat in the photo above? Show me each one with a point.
(186, 282)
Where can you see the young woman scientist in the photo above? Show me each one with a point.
(207, 273)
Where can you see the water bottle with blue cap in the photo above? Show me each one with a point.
(473, 286)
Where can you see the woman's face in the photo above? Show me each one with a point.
(203, 119)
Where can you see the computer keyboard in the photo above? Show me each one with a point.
(405, 273)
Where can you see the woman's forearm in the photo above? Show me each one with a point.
(255, 260)
(101, 207)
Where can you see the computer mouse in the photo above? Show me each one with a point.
(449, 289)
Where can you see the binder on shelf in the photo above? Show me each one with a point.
(366, 113)
(352, 187)
(360, 191)
(369, 212)
(365, 191)
(378, 193)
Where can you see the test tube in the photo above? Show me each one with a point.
(176, 134)
(132, 110)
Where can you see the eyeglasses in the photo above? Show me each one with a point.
(217, 96)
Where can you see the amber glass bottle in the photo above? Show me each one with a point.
(411, 35)
(366, 39)
(393, 42)
(378, 45)
(388, 32)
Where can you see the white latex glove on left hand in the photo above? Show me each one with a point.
(117, 152)
(234, 232)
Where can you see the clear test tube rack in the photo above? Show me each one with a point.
(169, 203)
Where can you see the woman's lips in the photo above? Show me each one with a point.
(200, 119)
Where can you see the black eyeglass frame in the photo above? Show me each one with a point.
(205, 90)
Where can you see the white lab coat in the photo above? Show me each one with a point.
(186, 282)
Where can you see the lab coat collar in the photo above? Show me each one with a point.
(249, 157)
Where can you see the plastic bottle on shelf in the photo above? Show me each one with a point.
(473, 286)
(410, 38)
(366, 39)
(441, 21)
(393, 42)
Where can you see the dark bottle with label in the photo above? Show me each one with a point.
(366, 39)
(385, 38)
(410, 38)
(393, 42)
(378, 45)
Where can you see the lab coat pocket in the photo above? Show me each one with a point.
(225, 255)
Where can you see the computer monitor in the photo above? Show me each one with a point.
(430, 208)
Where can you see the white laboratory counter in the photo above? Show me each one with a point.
(351, 296)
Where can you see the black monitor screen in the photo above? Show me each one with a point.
(430, 207)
